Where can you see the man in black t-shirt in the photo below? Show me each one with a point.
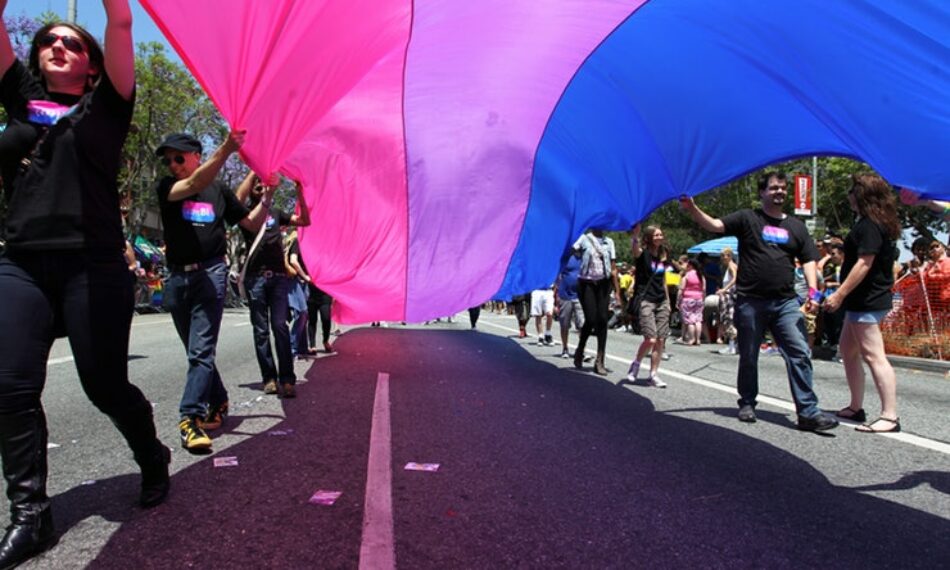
(268, 285)
(770, 242)
(194, 208)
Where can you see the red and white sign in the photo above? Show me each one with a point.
(804, 203)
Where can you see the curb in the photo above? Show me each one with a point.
(924, 364)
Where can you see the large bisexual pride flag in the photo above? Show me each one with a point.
(452, 150)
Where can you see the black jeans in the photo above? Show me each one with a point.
(318, 303)
(595, 300)
(87, 296)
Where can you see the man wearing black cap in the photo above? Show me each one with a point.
(195, 208)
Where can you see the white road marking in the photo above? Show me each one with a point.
(244, 324)
(377, 551)
(912, 439)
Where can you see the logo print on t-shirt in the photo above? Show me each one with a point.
(658, 267)
(271, 222)
(772, 234)
(47, 112)
(198, 212)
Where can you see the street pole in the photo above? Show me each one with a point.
(814, 185)
(71, 11)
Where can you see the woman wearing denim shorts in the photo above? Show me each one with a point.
(865, 295)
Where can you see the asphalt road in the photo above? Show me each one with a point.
(540, 465)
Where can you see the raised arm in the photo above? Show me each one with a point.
(244, 188)
(119, 49)
(7, 57)
(635, 248)
(204, 175)
(300, 218)
(704, 220)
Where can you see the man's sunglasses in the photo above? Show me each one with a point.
(71, 43)
(179, 159)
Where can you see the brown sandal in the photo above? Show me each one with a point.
(866, 428)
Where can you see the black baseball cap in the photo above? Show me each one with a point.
(179, 141)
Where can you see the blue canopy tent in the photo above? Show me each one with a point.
(715, 246)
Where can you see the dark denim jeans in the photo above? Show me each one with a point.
(784, 318)
(267, 297)
(195, 300)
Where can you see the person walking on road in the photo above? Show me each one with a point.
(770, 242)
(268, 286)
(598, 275)
(570, 306)
(867, 276)
(194, 208)
(653, 299)
(63, 271)
(542, 308)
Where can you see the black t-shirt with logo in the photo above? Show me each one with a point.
(194, 227)
(769, 247)
(874, 291)
(650, 278)
(68, 197)
(270, 252)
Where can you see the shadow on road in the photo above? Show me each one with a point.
(541, 467)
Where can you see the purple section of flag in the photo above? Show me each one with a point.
(482, 79)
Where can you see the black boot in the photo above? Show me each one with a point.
(138, 428)
(23, 450)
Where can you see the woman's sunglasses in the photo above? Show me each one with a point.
(71, 43)
(179, 159)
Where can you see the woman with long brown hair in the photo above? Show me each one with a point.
(865, 295)
(654, 301)
(63, 272)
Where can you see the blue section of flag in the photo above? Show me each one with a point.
(687, 95)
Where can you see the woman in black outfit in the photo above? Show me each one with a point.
(63, 272)
(867, 276)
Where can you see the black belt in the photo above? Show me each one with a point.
(187, 268)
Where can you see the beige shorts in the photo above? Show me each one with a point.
(655, 319)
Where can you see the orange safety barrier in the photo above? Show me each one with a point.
(919, 324)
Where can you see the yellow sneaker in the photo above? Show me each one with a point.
(193, 438)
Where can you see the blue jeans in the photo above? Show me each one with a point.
(298, 317)
(195, 300)
(784, 318)
(267, 297)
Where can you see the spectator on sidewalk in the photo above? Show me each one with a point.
(692, 291)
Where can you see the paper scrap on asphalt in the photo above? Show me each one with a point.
(52, 445)
(279, 432)
(89, 482)
(413, 466)
(326, 498)
(225, 461)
